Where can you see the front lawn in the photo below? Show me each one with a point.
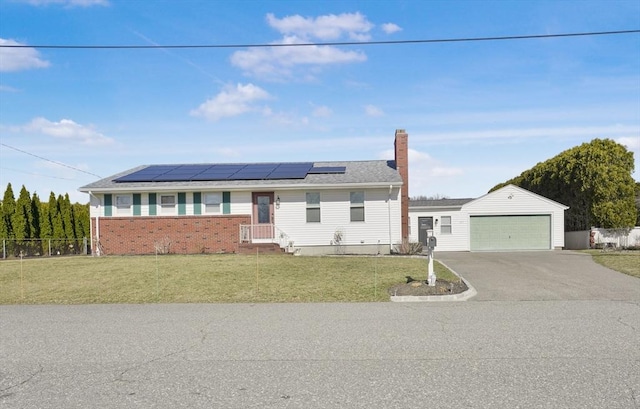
(206, 279)
(626, 261)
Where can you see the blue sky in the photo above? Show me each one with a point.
(477, 113)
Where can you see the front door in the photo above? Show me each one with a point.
(262, 215)
(424, 224)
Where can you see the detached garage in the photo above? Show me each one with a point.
(511, 218)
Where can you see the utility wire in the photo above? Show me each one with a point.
(338, 43)
(35, 174)
(49, 160)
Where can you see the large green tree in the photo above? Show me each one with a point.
(46, 229)
(81, 217)
(638, 203)
(593, 179)
(8, 208)
(21, 218)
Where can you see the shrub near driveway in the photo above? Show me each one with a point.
(206, 279)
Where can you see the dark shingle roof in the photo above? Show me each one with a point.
(375, 172)
(439, 202)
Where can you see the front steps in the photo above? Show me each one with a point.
(261, 248)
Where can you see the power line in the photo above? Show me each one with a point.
(337, 43)
(35, 174)
(49, 160)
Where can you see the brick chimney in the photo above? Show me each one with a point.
(401, 145)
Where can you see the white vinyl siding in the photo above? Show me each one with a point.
(457, 240)
(336, 215)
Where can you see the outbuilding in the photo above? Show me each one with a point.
(510, 218)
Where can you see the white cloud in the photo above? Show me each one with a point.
(6, 88)
(16, 59)
(67, 129)
(511, 134)
(631, 142)
(372, 110)
(281, 59)
(391, 28)
(232, 101)
(327, 27)
(322, 111)
(275, 62)
(427, 175)
(70, 3)
(228, 152)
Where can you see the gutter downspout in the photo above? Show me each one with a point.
(389, 213)
(97, 247)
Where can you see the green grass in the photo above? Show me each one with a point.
(627, 262)
(206, 279)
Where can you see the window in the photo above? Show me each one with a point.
(445, 225)
(168, 204)
(357, 206)
(212, 202)
(123, 201)
(123, 204)
(313, 207)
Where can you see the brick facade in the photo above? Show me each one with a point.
(176, 234)
(401, 146)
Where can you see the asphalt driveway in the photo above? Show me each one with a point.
(540, 275)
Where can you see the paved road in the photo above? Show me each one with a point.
(540, 275)
(555, 331)
(495, 354)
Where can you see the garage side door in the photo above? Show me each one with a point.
(530, 232)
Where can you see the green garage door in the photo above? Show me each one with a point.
(511, 232)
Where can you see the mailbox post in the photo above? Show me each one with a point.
(431, 245)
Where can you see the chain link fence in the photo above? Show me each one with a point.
(13, 248)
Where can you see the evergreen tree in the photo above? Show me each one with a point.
(57, 224)
(35, 224)
(8, 208)
(20, 220)
(593, 179)
(46, 229)
(3, 225)
(68, 221)
(81, 215)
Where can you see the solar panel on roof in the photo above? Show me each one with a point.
(146, 174)
(327, 169)
(250, 176)
(236, 171)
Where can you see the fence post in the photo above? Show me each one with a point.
(4, 249)
(49, 247)
(84, 245)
